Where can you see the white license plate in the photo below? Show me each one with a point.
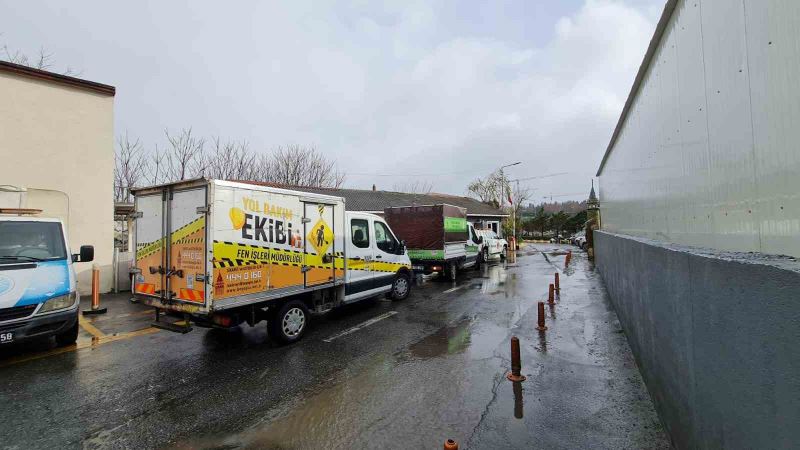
(417, 267)
(6, 337)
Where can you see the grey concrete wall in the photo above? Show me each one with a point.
(716, 336)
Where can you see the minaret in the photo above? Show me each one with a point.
(593, 206)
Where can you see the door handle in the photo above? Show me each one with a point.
(378, 257)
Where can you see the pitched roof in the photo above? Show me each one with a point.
(369, 200)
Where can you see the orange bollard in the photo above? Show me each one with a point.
(541, 326)
(558, 286)
(516, 363)
(96, 309)
(568, 259)
(550, 296)
(450, 445)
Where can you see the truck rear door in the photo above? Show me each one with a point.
(171, 244)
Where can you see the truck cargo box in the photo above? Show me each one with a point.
(430, 231)
(204, 245)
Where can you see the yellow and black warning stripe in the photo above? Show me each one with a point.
(226, 254)
(179, 235)
(190, 241)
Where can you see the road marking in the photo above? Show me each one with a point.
(360, 326)
(452, 289)
(92, 343)
(86, 325)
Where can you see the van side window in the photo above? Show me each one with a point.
(384, 239)
(359, 232)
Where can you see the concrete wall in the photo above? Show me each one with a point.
(716, 337)
(60, 138)
(707, 152)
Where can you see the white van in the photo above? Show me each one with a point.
(38, 295)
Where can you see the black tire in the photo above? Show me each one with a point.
(504, 253)
(68, 337)
(289, 323)
(452, 271)
(401, 287)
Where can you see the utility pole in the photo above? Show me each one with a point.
(502, 197)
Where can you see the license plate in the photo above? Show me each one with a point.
(417, 267)
(6, 337)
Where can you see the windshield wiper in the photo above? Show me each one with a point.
(27, 258)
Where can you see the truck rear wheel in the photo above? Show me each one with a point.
(289, 324)
(452, 271)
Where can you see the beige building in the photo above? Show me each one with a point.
(57, 141)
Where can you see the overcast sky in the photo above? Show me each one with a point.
(397, 91)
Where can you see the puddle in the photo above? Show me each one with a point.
(447, 340)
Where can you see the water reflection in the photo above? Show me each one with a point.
(447, 340)
(542, 342)
(518, 399)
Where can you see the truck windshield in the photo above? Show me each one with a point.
(31, 241)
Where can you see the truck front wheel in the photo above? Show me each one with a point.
(289, 324)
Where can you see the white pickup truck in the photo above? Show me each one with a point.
(494, 246)
(223, 253)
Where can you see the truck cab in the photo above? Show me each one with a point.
(38, 292)
(376, 259)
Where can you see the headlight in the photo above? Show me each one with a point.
(56, 303)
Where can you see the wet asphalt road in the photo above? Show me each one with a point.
(430, 368)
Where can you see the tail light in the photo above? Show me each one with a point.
(222, 320)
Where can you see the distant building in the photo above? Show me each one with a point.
(593, 206)
(481, 215)
(57, 140)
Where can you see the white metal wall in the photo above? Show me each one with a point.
(709, 154)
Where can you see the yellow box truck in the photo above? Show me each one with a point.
(221, 253)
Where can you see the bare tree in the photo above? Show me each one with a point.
(228, 161)
(130, 167)
(184, 155)
(42, 61)
(489, 189)
(301, 166)
(414, 187)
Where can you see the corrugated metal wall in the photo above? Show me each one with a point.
(709, 154)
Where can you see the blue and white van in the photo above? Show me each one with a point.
(38, 295)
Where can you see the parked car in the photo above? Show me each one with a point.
(494, 245)
(579, 240)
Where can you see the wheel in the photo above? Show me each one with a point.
(452, 271)
(68, 337)
(401, 287)
(485, 255)
(503, 253)
(289, 324)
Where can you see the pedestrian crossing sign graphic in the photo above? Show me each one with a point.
(321, 236)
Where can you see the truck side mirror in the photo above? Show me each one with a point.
(480, 239)
(401, 249)
(86, 254)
